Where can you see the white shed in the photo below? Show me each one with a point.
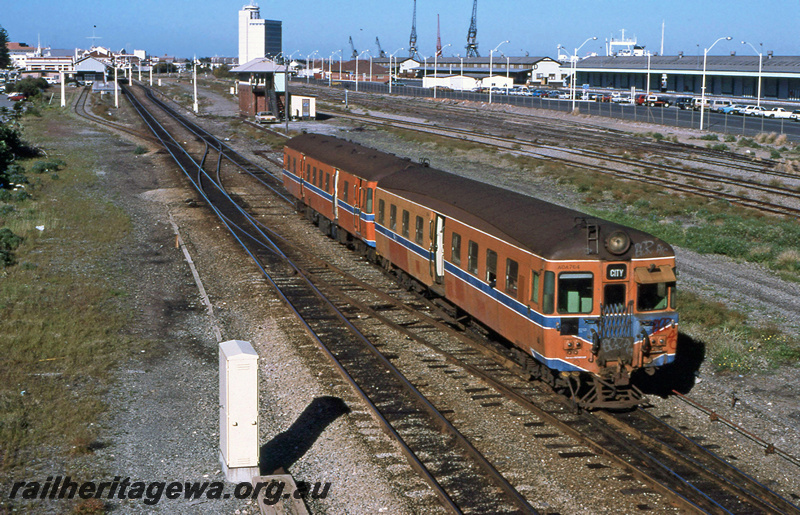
(464, 82)
(302, 107)
(436, 81)
(497, 81)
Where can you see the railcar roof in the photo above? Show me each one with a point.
(347, 156)
(546, 229)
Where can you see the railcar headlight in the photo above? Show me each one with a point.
(618, 242)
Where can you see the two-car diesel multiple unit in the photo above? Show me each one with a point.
(586, 302)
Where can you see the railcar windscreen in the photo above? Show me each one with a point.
(614, 294)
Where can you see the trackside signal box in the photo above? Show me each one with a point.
(238, 410)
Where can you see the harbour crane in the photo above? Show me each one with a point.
(380, 50)
(353, 49)
(472, 34)
(412, 41)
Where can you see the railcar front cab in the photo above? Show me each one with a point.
(624, 310)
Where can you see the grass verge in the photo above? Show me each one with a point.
(61, 318)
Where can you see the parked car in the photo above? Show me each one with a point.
(684, 102)
(704, 102)
(618, 98)
(265, 117)
(718, 105)
(777, 112)
(754, 111)
(796, 115)
(564, 95)
(733, 109)
(652, 101)
(14, 96)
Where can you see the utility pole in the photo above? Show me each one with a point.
(438, 38)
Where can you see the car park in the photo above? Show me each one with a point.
(777, 112)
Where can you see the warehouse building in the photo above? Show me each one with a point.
(735, 76)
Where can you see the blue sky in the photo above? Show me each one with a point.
(209, 27)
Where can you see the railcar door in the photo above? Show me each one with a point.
(357, 203)
(437, 249)
(336, 195)
(302, 177)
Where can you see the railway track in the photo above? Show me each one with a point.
(534, 150)
(79, 107)
(556, 131)
(462, 478)
(548, 412)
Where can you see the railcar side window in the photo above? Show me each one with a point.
(654, 297)
(575, 292)
(512, 270)
(418, 233)
(346, 190)
(314, 176)
(534, 287)
(455, 249)
(319, 179)
(327, 182)
(548, 292)
(381, 209)
(294, 164)
(491, 267)
(393, 217)
(472, 257)
(368, 205)
(308, 172)
(405, 224)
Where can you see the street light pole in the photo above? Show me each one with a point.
(575, 68)
(760, 56)
(308, 70)
(648, 74)
(116, 87)
(357, 59)
(390, 67)
(436, 67)
(330, 68)
(195, 107)
(491, 63)
(703, 87)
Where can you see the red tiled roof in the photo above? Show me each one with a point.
(17, 46)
